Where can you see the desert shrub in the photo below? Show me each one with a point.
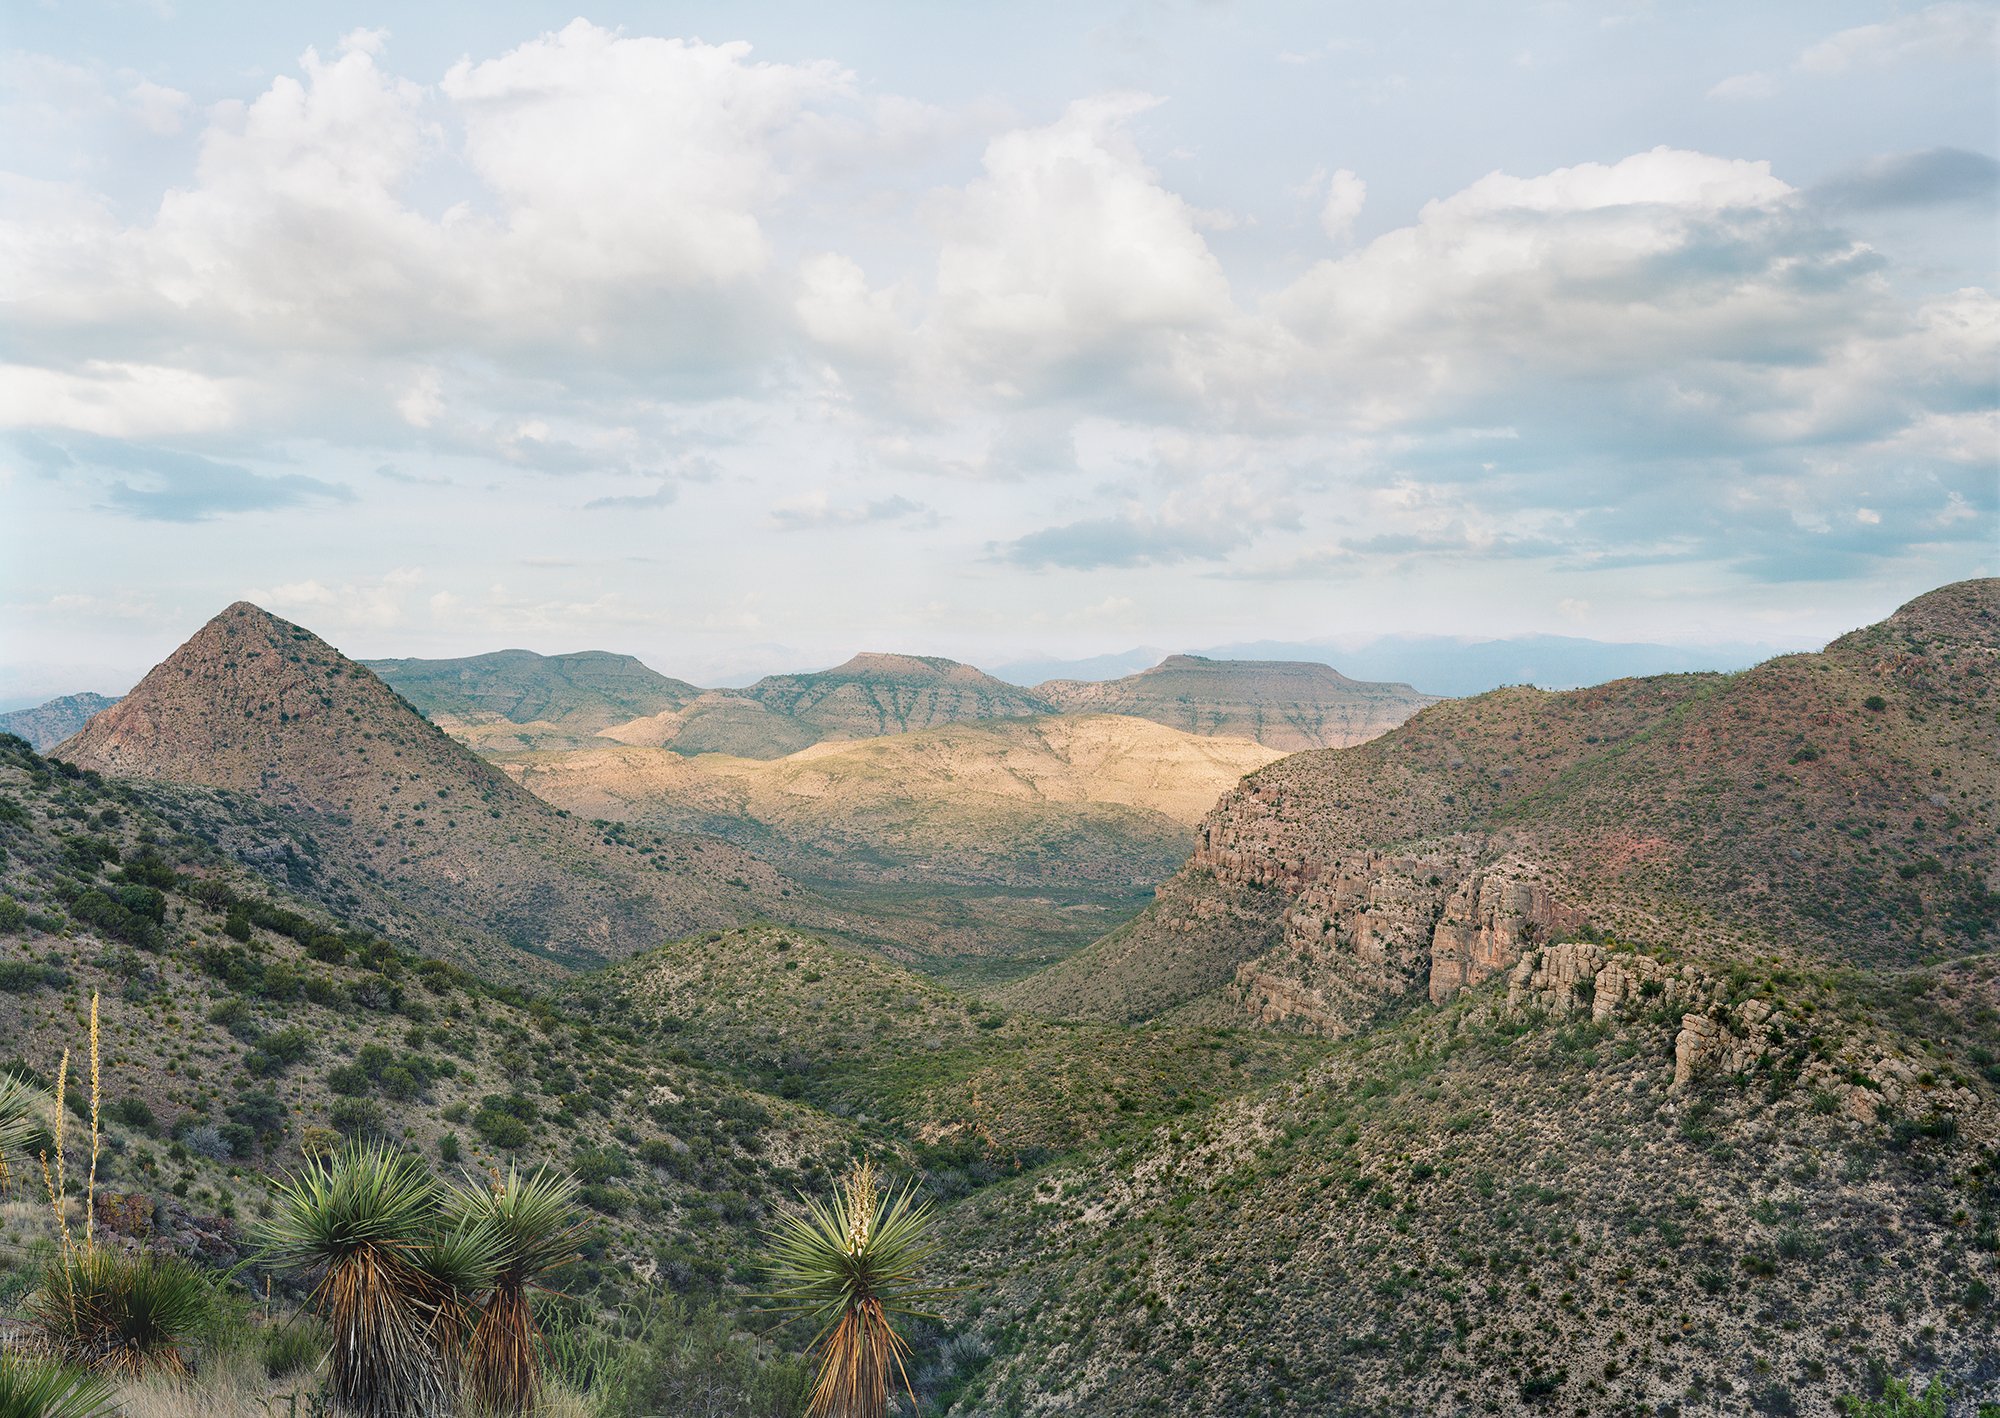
(101, 1309)
(36, 1390)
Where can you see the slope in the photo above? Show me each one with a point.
(1286, 704)
(334, 779)
(1548, 1196)
(49, 724)
(1839, 805)
(244, 1025)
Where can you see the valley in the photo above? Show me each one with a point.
(1628, 1050)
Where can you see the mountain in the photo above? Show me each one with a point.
(1663, 1018)
(1839, 806)
(1459, 666)
(568, 695)
(718, 722)
(314, 762)
(874, 694)
(1006, 834)
(1286, 704)
(1035, 669)
(49, 724)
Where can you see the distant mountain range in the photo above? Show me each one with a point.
(1436, 664)
(1287, 705)
(515, 701)
(46, 725)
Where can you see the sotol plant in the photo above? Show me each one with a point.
(97, 1306)
(853, 1264)
(31, 1390)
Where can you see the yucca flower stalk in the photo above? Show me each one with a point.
(390, 1281)
(99, 1307)
(538, 1228)
(853, 1264)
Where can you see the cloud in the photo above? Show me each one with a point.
(1959, 32)
(161, 111)
(1068, 263)
(1345, 195)
(1127, 539)
(816, 510)
(166, 485)
(1204, 520)
(373, 604)
(1930, 178)
(1753, 85)
(663, 494)
(186, 488)
(115, 399)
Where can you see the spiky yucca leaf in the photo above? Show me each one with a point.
(128, 1314)
(33, 1390)
(24, 1110)
(853, 1264)
(365, 1221)
(538, 1228)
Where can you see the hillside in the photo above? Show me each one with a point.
(517, 699)
(693, 1088)
(1063, 817)
(310, 764)
(719, 721)
(1547, 1196)
(244, 1024)
(1287, 705)
(1665, 1076)
(875, 694)
(1840, 806)
(49, 724)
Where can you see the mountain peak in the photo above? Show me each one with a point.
(265, 709)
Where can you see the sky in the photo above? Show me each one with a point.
(746, 336)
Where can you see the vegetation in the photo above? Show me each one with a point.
(29, 1389)
(536, 1231)
(853, 1264)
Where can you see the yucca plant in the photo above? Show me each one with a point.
(34, 1390)
(537, 1228)
(853, 1263)
(24, 1109)
(365, 1223)
(116, 1313)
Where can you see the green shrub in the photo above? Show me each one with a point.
(129, 1314)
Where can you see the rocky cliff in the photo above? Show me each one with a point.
(1841, 805)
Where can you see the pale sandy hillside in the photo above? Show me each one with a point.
(1033, 799)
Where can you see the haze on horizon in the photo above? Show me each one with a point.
(705, 333)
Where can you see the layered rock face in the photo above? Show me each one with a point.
(1362, 928)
